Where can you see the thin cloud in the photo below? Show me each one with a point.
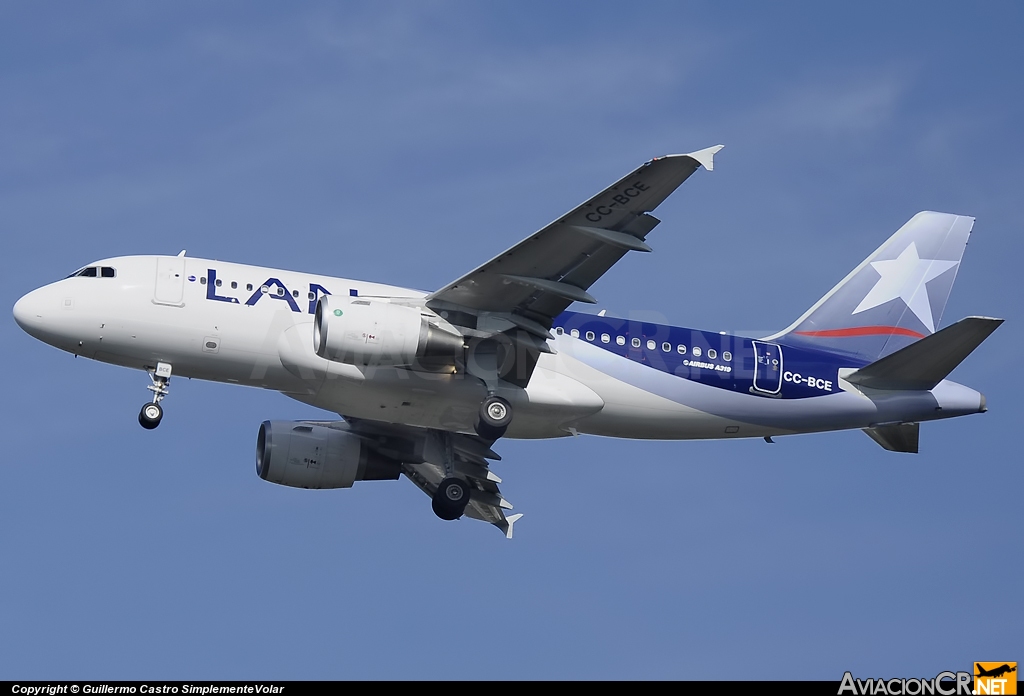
(854, 108)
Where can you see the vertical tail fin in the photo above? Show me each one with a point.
(895, 297)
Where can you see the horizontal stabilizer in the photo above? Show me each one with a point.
(902, 437)
(925, 363)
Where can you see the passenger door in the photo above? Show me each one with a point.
(170, 281)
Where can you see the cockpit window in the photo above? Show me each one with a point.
(94, 272)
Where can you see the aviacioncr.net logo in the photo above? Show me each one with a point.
(943, 684)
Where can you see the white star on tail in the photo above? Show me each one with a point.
(906, 277)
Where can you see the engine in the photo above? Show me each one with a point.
(304, 455)
(368, 332)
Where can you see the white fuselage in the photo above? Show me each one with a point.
(253, 326)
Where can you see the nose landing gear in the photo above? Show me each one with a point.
(152, 413)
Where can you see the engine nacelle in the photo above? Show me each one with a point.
(304, 455)
(368, 332)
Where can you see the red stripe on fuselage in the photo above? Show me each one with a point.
(862, 331)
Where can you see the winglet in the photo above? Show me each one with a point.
(706, 156)
(509, 521)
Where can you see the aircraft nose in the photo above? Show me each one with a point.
(28, 312)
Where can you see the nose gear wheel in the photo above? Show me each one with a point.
(150, 416)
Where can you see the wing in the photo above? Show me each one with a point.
(424, 466)
(538, 278)
(520, 292)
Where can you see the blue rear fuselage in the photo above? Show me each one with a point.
(725, 361)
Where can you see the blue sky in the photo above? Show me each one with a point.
(407, 143)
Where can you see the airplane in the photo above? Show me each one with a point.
(426, 382)
(994, 672)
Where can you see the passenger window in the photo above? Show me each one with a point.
(219, 282)
(559, 331)
(712, 353)
(107, 272)
(635, 342)
(295, 293)
(590, 335)
(681, 349)
(234, 285)
(202, 280)
(727, 356)
(248, 286)
(311, 296)
(666, 347)
(651, 345)
(620, 340)
(605, 338)
(696, 351)
(264, 289)
(280, 291)
(575, 333)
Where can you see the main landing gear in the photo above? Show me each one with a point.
(452, 494)
(450, 499)
(152, 413)
(494, 418)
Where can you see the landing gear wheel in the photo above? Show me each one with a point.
(150, 416)
(494, 418)
(451, 498)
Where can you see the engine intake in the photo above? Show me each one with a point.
(304, 455)
(368, 332)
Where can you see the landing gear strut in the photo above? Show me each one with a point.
(494, 418)
(452, 494)
(152, 413)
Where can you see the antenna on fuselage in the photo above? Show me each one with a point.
(181, 253)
